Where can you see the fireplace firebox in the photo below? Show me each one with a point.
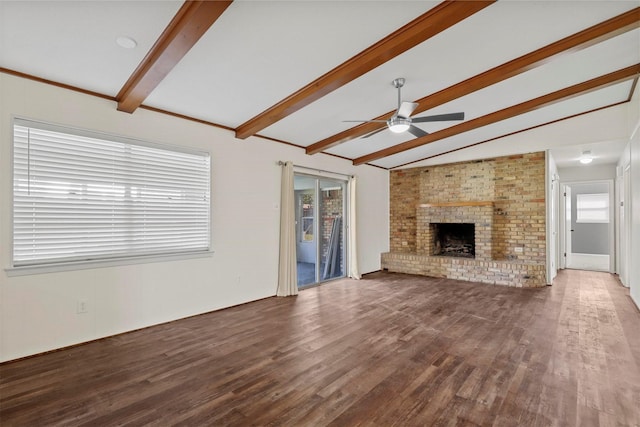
(453, 239)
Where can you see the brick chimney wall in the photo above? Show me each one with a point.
(514, 184)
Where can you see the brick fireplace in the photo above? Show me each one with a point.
(478, 214)
(501, 198)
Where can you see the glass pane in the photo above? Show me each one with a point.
(331, 229)
(306, 252)
(592, 207)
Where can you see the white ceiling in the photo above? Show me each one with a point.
(260, 52)
(78, 47)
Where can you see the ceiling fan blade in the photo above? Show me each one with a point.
(406, 108)
(374, 132)
(439, 118)
(416, 131)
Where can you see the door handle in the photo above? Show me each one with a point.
(571, 230)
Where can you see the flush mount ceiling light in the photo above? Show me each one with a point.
(586, 157)
(126, 42)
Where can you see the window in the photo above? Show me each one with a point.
(80, 196)
(307, 216)
(592, 208)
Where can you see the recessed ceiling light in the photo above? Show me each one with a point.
(126, 42)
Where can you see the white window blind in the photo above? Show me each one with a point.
(82, 196)
(592, 208)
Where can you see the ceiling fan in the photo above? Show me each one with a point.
(401, 120)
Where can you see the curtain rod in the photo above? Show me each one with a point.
(281, 163)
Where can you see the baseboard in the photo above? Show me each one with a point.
(362, 276)
(594, 262)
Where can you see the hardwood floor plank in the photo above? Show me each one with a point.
(392, 350)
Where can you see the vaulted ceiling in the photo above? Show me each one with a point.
(298, 71)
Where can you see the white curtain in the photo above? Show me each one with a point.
(354, 271)
(287, 267)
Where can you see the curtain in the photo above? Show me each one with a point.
(287, 266)
(354, 271)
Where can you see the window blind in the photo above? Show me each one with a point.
(79, 196)
(592, 208)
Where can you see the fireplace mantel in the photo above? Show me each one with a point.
(455, 204)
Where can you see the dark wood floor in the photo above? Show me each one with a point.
(389, 350)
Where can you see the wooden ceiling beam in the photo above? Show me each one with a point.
(436, 20)
(185, 29)
(475, 144)
(598, 33)
(522, 108)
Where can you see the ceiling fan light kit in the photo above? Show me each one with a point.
(398, 124)
(401, 120)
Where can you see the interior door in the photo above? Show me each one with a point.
(566, 236)
(553, 218)
(625, 227)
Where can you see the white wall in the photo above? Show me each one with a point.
(634, 276)
(634, 157)
(38, 312)
(587, 173)
(631, 157)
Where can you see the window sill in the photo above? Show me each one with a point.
(111, 262)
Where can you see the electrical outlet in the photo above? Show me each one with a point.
(82, 306)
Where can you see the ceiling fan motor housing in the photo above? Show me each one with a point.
(398, 83)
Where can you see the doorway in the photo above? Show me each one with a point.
(320, 228)
(588, 225)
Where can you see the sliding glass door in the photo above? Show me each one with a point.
(320, 228)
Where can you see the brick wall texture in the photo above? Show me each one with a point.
(514, 184)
